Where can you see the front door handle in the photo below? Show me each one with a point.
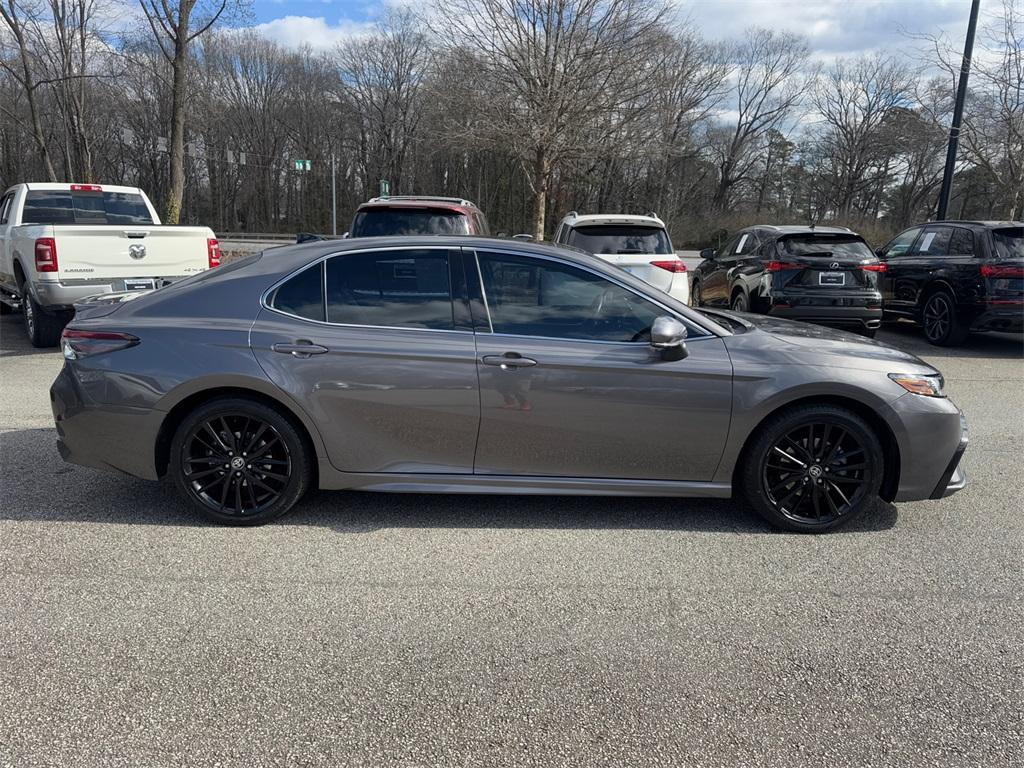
(508, 361)
(301, 348)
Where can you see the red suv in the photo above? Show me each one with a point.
(416, 215)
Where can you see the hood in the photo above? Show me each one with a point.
(801, 343)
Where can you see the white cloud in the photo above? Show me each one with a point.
(315, 32)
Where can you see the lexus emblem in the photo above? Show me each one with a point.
(834, 265)
(136, 251)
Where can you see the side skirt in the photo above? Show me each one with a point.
(331, 479)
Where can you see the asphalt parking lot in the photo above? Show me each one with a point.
(371, 630)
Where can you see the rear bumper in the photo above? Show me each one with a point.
(1008, 318)
(836, 316)
(57, 296)
(111, 437)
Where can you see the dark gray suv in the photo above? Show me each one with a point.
(469, 365)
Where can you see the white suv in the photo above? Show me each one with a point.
(637, 244)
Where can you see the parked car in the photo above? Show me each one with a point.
(418, 215)
(956, 276)
(62, 243)
(639, 245)
(471, 365)
(825, 275)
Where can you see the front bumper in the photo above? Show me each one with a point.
(932, 437)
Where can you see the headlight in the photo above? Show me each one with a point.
(929, 385)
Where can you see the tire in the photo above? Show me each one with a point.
(696, 300)
(739, 302)
(42, 329)
(941, 321)
(240, 491)
(777, 486)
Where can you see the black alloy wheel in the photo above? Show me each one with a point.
(240, 462)
(813, 468)
(939, 319)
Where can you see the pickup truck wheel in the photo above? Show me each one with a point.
(43, 330)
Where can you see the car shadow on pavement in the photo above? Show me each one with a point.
(14, 342)
(908, 336)
(38, 486)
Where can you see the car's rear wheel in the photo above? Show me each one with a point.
(739, 302)
(240, 462)
(813, 468)
(941, 321)
(42, 329)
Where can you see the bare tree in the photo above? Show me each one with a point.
(175, 26)
(559, 75)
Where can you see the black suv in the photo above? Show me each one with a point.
(826, 275)
(956, 276)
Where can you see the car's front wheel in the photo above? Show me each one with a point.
(240, 462)
(812, 468)
(740, 303)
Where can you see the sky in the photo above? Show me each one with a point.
(834, 27)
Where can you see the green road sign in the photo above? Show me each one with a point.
(385, 187)
(302, 165)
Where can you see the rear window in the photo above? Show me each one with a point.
(825, 245)
(609, 238)
(381, 222)
(1009, 242)
(58, 206)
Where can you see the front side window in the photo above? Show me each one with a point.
(58, 206)
(406, 288)
(901, 243)
(5, 208)
(536, 297)
(382, 222)
(620, 238)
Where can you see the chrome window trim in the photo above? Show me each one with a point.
(265, 296)
(585, 268)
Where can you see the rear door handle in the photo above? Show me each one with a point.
(506, 362)
(301, 348)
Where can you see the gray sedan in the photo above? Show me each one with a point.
(471, 365)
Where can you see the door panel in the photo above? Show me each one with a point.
(590, 409)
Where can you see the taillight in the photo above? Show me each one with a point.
(77, 344)
(873, 267)
(86, 188)
(779, 266)
(671, 266)
(46, 254)
(213, 252)
(994, 270)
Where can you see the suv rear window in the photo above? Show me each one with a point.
(1009, 242)
(59, 206)
(825, 245)
(380, 222)
(620, 238)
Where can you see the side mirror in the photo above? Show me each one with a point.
(668, 335)
(708, 254)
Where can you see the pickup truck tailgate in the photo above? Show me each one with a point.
(98, 252)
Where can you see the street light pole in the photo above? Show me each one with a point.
(334, 198)
(958, 112)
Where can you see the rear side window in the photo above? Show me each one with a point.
(303, 295)
(398, 289)
(1009, 242)
(381, 222)
(934, 242)
(824, 245)
(620, 238)
(56, 206)
(962, 242)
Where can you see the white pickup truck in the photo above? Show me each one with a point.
(61, 243)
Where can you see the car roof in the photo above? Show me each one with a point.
(456, 204)
(802, 229)
(987, 224)
(592, 219)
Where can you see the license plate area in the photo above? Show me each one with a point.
(140, 284)
(831, 278)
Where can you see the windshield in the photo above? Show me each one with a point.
(620, 238)
(1009, 242)
(380, 222)
(831, 245)
(62, 206)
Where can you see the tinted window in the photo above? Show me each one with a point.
(825, 245)
(747, 243)
(934, 242)
(1009, 242)
(401, 289)
(962, 242)
(608, 238)
(303, 295)
(533, 297)
(66, 207)
(5, 208)
(380, 222)
(901, 243)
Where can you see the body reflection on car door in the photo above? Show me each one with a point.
(569, 384)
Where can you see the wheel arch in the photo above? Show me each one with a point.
(176, 415)
(934, 286)
(885, 435)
